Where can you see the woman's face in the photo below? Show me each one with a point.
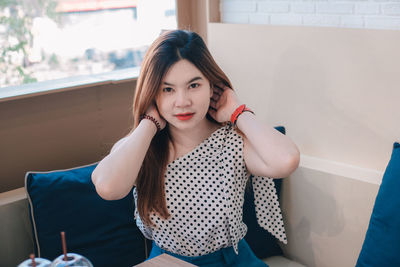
(184, 97)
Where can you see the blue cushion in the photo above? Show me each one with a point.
(382, 241)
(260, 240)
(103, 231)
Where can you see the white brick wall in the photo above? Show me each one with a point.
(372, 14)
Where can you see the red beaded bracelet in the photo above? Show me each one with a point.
(145, 116)
(237, 112)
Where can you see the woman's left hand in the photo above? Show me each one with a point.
(223, 103)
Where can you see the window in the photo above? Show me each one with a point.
(50, 39)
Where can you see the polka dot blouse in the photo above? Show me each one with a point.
(204, 191)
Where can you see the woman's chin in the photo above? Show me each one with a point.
(187, 123)
(184, 124)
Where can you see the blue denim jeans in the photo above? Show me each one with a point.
(219, 258)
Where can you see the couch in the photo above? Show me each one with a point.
(19, 238)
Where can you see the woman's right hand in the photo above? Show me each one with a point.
(152, 111)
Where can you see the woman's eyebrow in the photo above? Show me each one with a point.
(192, 80)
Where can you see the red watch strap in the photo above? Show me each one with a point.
(238, 111)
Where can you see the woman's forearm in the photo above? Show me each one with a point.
(116, 174)
(273, 148)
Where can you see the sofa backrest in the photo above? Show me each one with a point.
(16, 241)
(326, 210)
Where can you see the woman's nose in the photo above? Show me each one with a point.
(182, 99)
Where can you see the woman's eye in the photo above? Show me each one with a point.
(194, 85)
(167, 89)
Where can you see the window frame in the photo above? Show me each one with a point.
(183, 7)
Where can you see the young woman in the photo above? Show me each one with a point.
(189, 155)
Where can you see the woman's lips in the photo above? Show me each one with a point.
(184, 117)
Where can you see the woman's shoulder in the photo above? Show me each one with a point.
(233, 132)
(225, 132)
(228, 138)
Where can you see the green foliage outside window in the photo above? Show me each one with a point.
(16, 17)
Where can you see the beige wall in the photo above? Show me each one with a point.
(61, 130)
(336, 91)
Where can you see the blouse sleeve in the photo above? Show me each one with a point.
(268, 211)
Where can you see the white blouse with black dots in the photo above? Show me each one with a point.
(204, 191)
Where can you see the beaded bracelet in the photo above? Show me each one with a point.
(145, 116)
(237, 112)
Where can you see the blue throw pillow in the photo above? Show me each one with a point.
(382, 242)
(103, 231)
(261, 242)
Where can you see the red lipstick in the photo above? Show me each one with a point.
(184, 116)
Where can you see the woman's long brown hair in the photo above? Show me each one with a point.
(166, 50)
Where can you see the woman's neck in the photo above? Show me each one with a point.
(184, 141)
